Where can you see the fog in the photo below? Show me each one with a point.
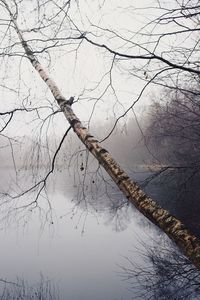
(132, 66)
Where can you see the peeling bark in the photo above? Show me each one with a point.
(174, 228)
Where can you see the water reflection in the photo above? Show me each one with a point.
(151, 270)
(85, 237)
(178, 193)
(42, 290)
(164, 274)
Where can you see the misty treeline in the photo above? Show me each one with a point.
(164, 135)
(173, 131)
(127, 146)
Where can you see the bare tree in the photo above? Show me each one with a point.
(141, 54)
(174, 130)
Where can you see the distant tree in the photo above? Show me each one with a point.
(173, 131)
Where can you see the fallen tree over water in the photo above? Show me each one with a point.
(174, 228)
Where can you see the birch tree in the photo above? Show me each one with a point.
(145, 54)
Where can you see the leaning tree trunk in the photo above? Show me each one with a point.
(174, 228)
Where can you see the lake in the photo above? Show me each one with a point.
(93, 248)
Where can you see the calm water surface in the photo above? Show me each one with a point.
(83, 252)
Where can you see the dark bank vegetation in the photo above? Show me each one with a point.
(172, 136)
(173, 131)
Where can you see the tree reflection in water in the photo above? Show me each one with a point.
(165, 274)
(20, 290)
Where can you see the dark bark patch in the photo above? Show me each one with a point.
(74, 122)
(102, 151)
(88, 136)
